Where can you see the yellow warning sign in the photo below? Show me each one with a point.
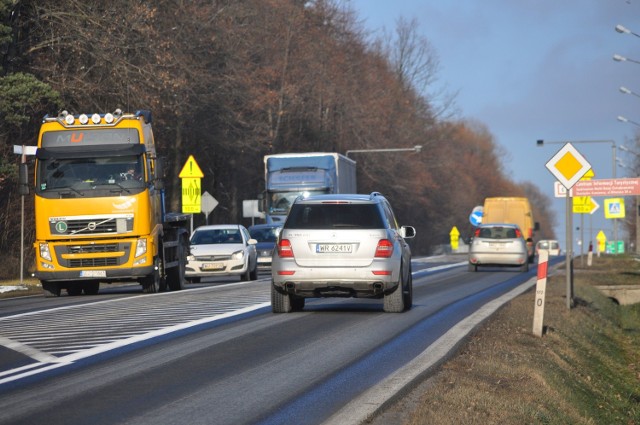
(568, 165)
(191, 195)
(191, 169)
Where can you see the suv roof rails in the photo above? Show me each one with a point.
(374, 194)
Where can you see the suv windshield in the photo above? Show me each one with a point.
(333, 216)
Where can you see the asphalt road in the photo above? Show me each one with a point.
(215, 354)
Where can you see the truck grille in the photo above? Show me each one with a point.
(94, 248)
(91, 225)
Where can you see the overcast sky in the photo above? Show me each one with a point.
(534, 69)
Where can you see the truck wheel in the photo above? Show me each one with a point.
(50, 289)
(74, 289)
(175, 276)
(280, 303)
(152, 284)
(472, 267)
(91, 288)
(394, 302)
(525, 267)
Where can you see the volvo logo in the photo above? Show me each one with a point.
(92, 226)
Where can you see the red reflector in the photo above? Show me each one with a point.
(284, 248)
(384, 248)
(286, 272)
(382, 272)
(476, 233)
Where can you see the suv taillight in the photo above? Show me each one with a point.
(384, 248)
(284, 249)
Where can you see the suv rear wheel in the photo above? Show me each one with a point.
(280, 303)
(394, 302)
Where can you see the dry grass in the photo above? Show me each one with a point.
(584, 370)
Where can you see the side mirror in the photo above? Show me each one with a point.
(158, 178)
(23, 179)
(407, 232)
(261, 202)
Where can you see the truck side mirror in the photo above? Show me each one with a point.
(261, 202)
(536, 226)
(23, 179)
(158, 175)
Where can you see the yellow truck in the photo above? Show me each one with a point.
(514, 210)
(99, 206)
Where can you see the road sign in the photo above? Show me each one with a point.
(594, 205)
(582, 205)
(608, 187)
(602, 240)
(191, 169)
(614, 208)
(191, 198)
(454, 235)
(475, 218)
(209, 203)
(568, 165)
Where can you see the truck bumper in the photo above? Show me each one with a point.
(107, 275)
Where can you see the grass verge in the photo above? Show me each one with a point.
(584, 370)
(13, 288)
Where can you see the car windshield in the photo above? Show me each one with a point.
(498, 232)
(266, 234)
(216, 236)
(334, 216)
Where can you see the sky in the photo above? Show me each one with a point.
(535, 69)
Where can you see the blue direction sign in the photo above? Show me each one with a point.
(475, 218)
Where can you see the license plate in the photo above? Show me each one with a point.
(93, 273)
(323, 248)
(212, 266)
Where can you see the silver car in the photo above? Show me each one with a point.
(222, 250)
(498, 245)
(342, 246)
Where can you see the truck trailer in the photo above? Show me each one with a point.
(290, 175)
(514, 210)
(99, 206)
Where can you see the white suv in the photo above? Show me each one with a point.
(342, 246)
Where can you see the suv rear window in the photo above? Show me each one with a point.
(334, 216)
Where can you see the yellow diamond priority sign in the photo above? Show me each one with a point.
(568, 165)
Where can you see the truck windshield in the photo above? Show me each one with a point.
(89, 174)
(280, 202)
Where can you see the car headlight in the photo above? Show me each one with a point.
(238, 255)
(44, 251)
(191, 257)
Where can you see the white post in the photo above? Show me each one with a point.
(541, 286)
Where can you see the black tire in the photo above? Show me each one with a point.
(91, 288)
(246, 276)
(472, 267)
(524, 267)
(152, 284)
(254, 273)
(74, 289)
(175, 276)
(408, 293)
(280, 302)
(51, 289)
(297, 303)
(394, 301)
(194, 279)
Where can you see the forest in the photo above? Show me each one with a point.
(229, 81)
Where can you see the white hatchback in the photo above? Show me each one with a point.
(498, 245)
(222, 250)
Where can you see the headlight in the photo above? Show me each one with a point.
(141, 247)
(191, 258)
(238, 255)
(44, 251)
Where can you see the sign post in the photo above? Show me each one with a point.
(568, 166)
(24, 190)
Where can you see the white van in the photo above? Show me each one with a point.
(550, 245)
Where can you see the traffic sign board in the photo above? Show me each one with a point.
(191, 198)
(209, 203)
(191, 169)
(608, 187)
(582, 205)
(614, 208)
(568, 165)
